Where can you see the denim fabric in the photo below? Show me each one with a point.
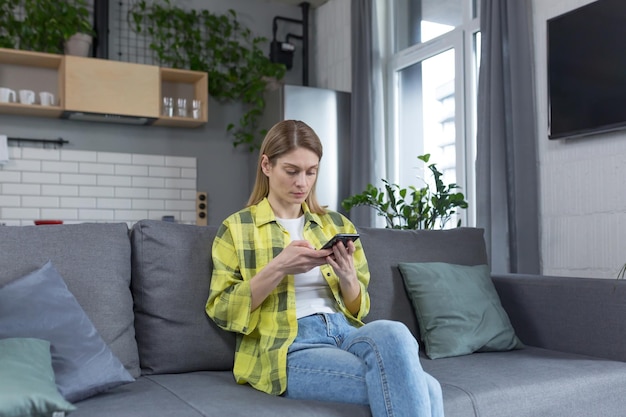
(377, 364)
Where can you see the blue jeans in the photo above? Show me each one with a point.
(377, 364)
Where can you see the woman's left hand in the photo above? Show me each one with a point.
(342, 263)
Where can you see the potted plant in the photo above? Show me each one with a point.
(218, 44)
(78, 33)
(42, 25)
(412, 207)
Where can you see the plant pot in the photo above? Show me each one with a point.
(272, 83)
(78, 45)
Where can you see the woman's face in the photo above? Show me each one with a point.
(291, 177)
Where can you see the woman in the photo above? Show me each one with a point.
(298, 310)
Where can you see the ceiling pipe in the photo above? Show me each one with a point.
(305, 42)
(101, 27)
(281, 52)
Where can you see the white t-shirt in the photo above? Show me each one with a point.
(313, 295)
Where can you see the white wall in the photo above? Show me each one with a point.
(582, 190)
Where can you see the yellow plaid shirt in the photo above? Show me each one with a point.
(245, 242)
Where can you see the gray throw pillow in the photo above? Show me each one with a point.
(39, 305)
(27, 379)
(94, 261)
(458, 309)
(171, 276)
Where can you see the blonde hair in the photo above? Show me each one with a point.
(284, 137)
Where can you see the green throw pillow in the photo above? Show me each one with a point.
(458, 309)
(27, 379)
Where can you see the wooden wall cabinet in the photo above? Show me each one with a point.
(101, 87)
(110, 87)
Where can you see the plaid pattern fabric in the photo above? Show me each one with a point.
(245, 242)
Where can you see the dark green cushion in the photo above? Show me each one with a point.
(27, 379)
(458, 309)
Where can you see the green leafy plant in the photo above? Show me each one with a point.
(412, 207)
(42, 25)
(218, 44)
(8, 23)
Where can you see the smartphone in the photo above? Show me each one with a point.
(343, 237)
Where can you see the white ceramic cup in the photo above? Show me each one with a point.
(6, 94)
(27, 96)
(46, 98)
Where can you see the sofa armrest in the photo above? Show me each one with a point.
(577, 315)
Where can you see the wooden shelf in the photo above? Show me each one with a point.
(191, 85)
(30, 59)
(36, 71)
(31, 110)
(97, 86)
(179, 121)
(182, 76)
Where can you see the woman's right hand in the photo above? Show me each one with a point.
(298, 257)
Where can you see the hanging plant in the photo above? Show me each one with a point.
(219, 45)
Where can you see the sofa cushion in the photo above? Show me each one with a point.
(27, 379)
(39, 305)
(172, 266)
(457, 308)
(386, 248)
(94, 261)
(204, 394)
(530, 382)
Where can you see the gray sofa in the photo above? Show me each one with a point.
(145, 290)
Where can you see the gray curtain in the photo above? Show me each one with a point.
(506, 163)
(367, 120)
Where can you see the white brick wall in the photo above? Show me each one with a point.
(85, 186)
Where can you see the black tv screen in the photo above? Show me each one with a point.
(587, 70)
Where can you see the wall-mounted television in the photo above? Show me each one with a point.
(587, 70)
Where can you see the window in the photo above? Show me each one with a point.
(433, 79)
